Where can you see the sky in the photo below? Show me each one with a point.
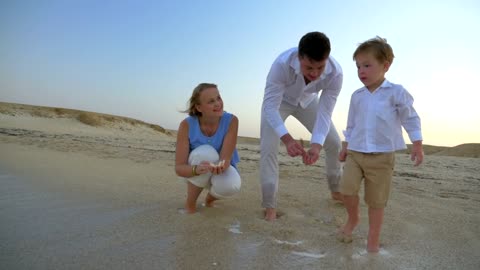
(142, 59)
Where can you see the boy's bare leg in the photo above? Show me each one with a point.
(209, 200)
(192, 195)
(337, 196)
(375, 219)
(352, 205)
(270, 214)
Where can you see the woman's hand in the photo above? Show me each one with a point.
(203, 168)
(218, 168)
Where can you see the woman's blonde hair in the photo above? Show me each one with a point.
(195, 98)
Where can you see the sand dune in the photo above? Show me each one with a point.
(82, 190)
(88, 118)
(128, 124)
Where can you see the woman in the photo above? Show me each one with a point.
(205, 153)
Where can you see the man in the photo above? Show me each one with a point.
(293, 88)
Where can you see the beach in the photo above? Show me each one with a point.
(82, 190)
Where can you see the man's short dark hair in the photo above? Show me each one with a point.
(314, 45)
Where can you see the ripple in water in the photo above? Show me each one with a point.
(235, 227)
(308, 254)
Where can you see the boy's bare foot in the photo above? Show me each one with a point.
(270, 214)
(209, 200)
(373, 243)
(344, 234)
(337, 196)
(345, 238)
(374, 249)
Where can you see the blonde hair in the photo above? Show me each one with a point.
(195, 98)
(379, 47)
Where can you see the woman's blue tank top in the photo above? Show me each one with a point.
(197, 138)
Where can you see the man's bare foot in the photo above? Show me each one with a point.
(270, 214)
(337, 196)
(209, 200)
(189, 209)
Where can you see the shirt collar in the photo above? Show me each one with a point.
(385, 84)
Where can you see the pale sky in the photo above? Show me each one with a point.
(142, 59)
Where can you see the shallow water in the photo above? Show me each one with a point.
(44, 227)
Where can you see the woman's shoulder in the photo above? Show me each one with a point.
(229, 115)
(188, 121)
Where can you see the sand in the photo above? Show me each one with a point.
(105, 196)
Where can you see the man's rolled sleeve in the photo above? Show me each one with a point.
(326, 104)
(273, 96)
(415, 135)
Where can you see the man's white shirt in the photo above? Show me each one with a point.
(285, 82)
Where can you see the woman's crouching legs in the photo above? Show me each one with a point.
(196, 184)
(226, 184)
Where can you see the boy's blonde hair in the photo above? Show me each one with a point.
(195, 98)
(379, 47)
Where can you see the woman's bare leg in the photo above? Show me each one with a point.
(209, 200)
(192, 195)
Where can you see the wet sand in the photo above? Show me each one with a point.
(80, 197)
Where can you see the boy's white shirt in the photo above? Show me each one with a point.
(375, 119)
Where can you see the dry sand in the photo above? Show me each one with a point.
(104, 195)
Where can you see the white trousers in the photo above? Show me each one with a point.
(270, 142)
(222, 185)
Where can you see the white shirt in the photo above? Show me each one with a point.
(285, 82)
(375, 119)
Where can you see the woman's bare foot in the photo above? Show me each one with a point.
(270, 214)
(209, 200)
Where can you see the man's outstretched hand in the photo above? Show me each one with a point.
(312, 155)
(293, 147)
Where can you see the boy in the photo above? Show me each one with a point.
(374, 132)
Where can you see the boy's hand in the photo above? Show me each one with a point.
(417, 153)
(343, 153)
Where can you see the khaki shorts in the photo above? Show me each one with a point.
(376, 169)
